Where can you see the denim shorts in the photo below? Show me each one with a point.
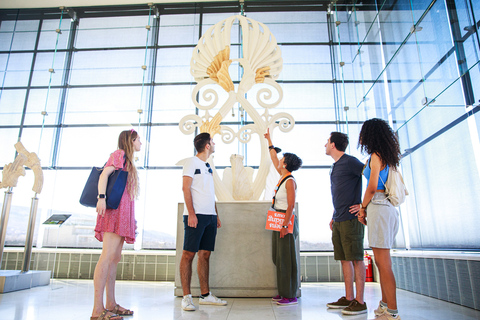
(382, 222)
(203, 236)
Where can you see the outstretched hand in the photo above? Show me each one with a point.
(267, 136)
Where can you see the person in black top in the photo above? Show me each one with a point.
(347, 231)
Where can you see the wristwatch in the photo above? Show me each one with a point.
(285, 227)
(101, 196)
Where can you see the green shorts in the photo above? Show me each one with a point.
(347, 238)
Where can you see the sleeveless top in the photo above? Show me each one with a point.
(281, 196)
(382, 175)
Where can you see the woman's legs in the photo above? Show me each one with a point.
(112, 246)
(285, 260)
(110, 302)
(387, 278)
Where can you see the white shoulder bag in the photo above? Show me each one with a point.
(395, 188)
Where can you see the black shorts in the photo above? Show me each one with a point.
(203, 236)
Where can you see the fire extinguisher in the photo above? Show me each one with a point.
(368, 267)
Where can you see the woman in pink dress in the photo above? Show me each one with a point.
(115, 226)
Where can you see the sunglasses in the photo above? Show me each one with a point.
(208, 166)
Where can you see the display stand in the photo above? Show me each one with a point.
(14, 280)
(241, 264)
(56, 221)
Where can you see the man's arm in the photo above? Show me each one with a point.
(219, 223)
(187, 195)
(331, 221)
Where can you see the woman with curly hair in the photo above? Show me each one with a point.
(284, 251)
(380, 142)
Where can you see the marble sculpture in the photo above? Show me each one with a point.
(261, 61)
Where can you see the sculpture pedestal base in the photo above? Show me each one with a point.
(241, 265)
(14, 280)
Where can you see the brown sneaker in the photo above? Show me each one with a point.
(341, 303)
(355, 308)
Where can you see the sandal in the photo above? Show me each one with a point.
(104, 316)
(125, 312)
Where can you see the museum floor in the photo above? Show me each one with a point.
(72, 299)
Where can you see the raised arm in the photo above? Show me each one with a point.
(271, 151)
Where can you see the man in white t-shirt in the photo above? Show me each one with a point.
(200, 221)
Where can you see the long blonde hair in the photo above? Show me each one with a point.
(125, 143)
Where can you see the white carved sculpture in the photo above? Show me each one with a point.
(12, 171)
(262, 62)
(238, 179)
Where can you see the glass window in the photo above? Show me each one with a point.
(16, 69)
(11, 106)
(107, 67)
(102, 105)
(18, 35)
(161, 194)
(103, 89)
(7, 150)
(50, 38)
(112, 32)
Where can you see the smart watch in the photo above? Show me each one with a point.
(101, 196)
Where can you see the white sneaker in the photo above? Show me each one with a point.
(187, 303)
(387, 316)
(380, 310)
(211, 299)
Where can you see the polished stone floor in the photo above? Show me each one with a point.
(72, 299)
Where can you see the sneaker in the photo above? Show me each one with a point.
(187, 303)
(355, 307)
(388, 316)
(380, 310)
(277, 298)
(340, 304)
(211, 299)
(287, 301)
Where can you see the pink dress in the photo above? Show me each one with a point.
(122, 220)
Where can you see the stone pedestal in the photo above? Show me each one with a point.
(241, 265)
(14, 280)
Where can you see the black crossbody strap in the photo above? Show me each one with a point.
(278, 187)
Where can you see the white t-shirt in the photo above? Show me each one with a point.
(203, 190)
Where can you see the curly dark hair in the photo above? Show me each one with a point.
(292, 162)
(376, 136)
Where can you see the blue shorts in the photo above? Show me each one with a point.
(203, 236)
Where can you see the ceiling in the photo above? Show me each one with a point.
(18, 4)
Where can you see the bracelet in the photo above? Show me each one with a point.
(271, 147)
